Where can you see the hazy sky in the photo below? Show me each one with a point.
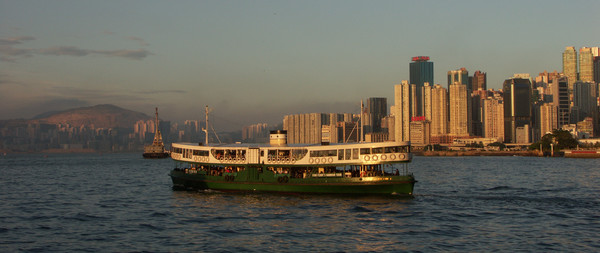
(255, 61)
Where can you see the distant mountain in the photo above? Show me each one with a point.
(100, 116)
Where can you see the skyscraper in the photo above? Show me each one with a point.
(421, 71)
(439, 110)
(479, 81)
(586, 65)
(493, 118)
(560, 99)
(570, 65)
(402, 111)
(461, 76)
(517, 107)
(585, 100)
(460, 112)
(547, 118)
(597, 69)
(377, 110)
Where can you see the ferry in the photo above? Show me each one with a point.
(157, 148)
(347, 168)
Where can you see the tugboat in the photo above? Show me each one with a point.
(157, 148)
(345, 168)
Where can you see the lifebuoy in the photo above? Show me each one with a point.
(311, 160)
(375, 157)
(402, 156)
(367, 158)
(330, 160)
(393, 157)
(383, 157)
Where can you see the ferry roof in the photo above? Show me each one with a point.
(267, 145)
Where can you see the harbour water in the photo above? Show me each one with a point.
(124, 203)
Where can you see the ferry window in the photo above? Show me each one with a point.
(377, 150)
(283, 153)
(200, 153)
(299, 153)
(348, 154)
(272, 153)
(341, 154)
(354, 153)
(218, 153)
(331, 152)
(390, 150)
(365, 151)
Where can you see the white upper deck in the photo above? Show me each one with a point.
(293, 155)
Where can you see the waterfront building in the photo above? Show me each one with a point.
(493, 118)
(460, 110)
(570, 65)
(585, 128)
(586, 65)
(420, 131)
(517, 107)
(523, 134)
(402, 111)
(547, 115)
(479, 81)
(421, 72)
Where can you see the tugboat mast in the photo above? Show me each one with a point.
(157, 137)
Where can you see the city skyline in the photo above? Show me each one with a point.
(258, 61)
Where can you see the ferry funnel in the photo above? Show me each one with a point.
(278, 138)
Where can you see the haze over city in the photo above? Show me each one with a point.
(255, 61)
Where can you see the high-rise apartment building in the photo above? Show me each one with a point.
(586, 65)
(439, 111)
(459, 76)
(547, 118)
(421, 72)
(570, 65)
(427, 109)
(460, 112)
(402, 111)
(493, 118)
(256, 133)
(517, 107)
(305, 128)
(479, 81)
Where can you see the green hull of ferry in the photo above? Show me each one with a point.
(257, 179)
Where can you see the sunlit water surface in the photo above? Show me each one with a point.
(123, 203)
